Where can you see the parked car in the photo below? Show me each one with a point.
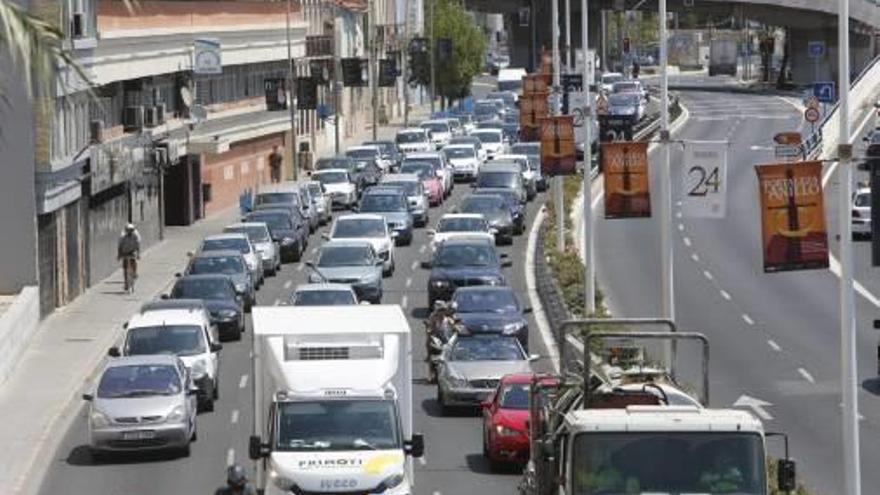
(184, 333)
(323, 294)
(492, 140)
(464, 160)
(471, 366)
(441, 167)
(462, 262)
(413, 140)
(472, 140)
(495, 210)
(229, 263)
(260, 237)
(461, 225)
(370, 228)
(157, 387)
(286, 194)
(352, 262)
(426, 173)
(389, 153)
(440, 130)
(415, 194)
(861, 213)
(238, 242)
(391, 203)
(219, 295)
(490, 309)
(339, 185)
(286, 230)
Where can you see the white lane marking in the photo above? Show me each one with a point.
(708, 275)
(300, 267)
(437, 493)
(230, 457)
(314, 251)
(687, 241)
(678, 215)
(243, 382)
(678, 203)
(422, 248)
(748, 319)
(408, 281)
(725, 294)
(288, 284)
(681, 227)
(773, 345)
(415, 264)
(695, 257)
(756, 405)
(277, 302)
(404, 301)
(234, 418)
(806, 375)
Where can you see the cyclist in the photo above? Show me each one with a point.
(128, 251)
(236, 482)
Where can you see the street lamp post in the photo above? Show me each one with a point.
(558, 180)
(373, 31)
(291, 99)
(667, 293)
(586, 72)
(433, 62)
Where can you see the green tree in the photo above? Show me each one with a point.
(454, 76)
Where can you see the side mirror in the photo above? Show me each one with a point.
(427, 264)
(164, 297)
(216, 347)
(325, 236)
(534, 357)
(527, 310)
(504, 256)
(786, 475)
(190, 254)
(113, 352)
(415, 446)
(178, 275)
(88, 397)
(256, 449)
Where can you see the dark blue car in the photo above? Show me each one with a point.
(462, 263)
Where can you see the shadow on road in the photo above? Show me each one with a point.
(872, 385)
(82, 455)
(432, 408)
(479, 464)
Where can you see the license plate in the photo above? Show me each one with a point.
(139, 435)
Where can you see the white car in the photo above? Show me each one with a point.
(464, 160)
(260, 237)
(530, 176)
(455, 125)
(413, 140)
(459, 226)
(441, 131)
(492, 140)
(367, 227)
(441, 165)
(338, 185)
(606, 83)
(475, 142)
(369, 152)
(320, 200)
(186, 333)
(236, 242)
(323, 294)
(861, 213)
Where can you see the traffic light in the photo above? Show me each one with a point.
(306, 93)
(354, 72)
(419, 62)
(444, 49)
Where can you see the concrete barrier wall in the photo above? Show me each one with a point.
(18, 324)
(864, 93)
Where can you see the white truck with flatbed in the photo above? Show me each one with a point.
(333, 400)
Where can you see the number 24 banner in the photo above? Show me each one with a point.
(704, 180)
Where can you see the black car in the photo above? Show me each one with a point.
(461, 263)
(495, 210)
(511, 199)
(345, 163)
(390, 202)
(229, 263)
(218, 293)
(487, 309)
(389, 152)
(285, 229)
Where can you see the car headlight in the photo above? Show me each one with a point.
(495, 281)
(456, 380)
(176, 415)
(512, 328)
(390, 482)
(199, 368)
(287, 241)
(98, 419)
(504, 431)
(240, 287)
(227, 314)
(439, 284)
(281, 481)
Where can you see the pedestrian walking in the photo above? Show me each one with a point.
(275, 161)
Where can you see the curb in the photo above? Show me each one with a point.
(544, 329)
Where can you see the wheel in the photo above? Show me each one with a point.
(185, 451)
(195, 433)
(98, 456)
(216, 389)
(297, 255)
(441, 401)
(208, 405)
(485, 445)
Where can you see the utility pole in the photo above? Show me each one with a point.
(337, 84)
(568, 66)
(534, 34)
(586, 73)
(558, 180)
(291, 99)
(852, 477)
(666, 255)
(373, 32)
(404, 62)
(433, 49)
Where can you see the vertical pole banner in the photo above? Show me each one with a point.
(532, 108)
(704, 180)
(793, 227)
(557, 145)
(627, 183)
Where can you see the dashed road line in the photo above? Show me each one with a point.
(230, 457)
(243, 382)
(404, 301)
(725, 294)
(773, 345)
(695, 256)
(234, 418)
(277, 302)
(748, 319)
(708, 275)
(408, 281)
(415, 264)
(806, 375)
(422, 248)
(681, 227)
(686, 241)
(678, 214)
(288, 284)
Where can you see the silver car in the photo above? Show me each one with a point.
(471, 366)
(260, 237)
(320, 201)
(350, 262)
(142, 403)
(240, 243)
(323, 295)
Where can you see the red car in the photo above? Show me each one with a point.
(505, 413)
(432, 183)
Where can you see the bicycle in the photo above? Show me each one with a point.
(129, 272)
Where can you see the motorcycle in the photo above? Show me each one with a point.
(440, 327)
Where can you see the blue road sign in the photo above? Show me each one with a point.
(816, 49)
(824, 91)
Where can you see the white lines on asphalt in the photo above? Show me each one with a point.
(277, 302)
(300, 267)
(314, 251)
(678, 214)
(230, 457)
(404, 301)
(422, 248)
(288, 284)
(678, 203)
(408, 281)
(415, 264)
(680, 227)
(695, 256)
(234, 417)
(806, 375)
(748, 319)
(756, 147)
(708, 275)
(773, 345)
(437, 493)
(686, 241)
(724, 294)
(243, 382)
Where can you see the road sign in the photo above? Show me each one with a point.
(572, 82)
(812, 102)
(788, 152)
(824, 91)
(704, 180)
(811, 115)
(816, 49)
(207, 56)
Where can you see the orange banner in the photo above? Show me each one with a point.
(792, 216)
(557, 145)
(627, 182)
(532, 107)
(535, 83)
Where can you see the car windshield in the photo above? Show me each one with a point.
(435, 126)
(139, 380)
(510, 85)
(328, 163)
(182, 340)
(488, 137)
(411, 137)
(256, 233)
(668, 462)
(496, 179)
(423, 170)
(485, 301)
(382, 203)
(481, 203)
(275, 198)
(331, 177)
(366, 154)
(611, 78)
(460, 153)
(515, 396)
(863, 200)
(623, 99)
(203, 288)
(337, 425)
(228, 244)
(411, 188)
(275, 221)
(466, 255)
(464, 140)
(324, 298)
(331, 256)
(522, 163)
(486, 349)
(462, 224)
(355, 228)
(385, 147)
(626, 87)
(315, 190)
(530, 149)
(226, 265)
(491, 124)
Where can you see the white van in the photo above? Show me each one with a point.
(510, 79)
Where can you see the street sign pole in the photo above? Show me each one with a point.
(568, 66)
(558, 180)
(291, 100)
(666, 255)
(851, 469)
(586, 68)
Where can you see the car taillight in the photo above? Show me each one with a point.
(855, 214)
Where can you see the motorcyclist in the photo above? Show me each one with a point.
(440, 325)
(236, 482)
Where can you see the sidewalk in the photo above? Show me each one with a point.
(41, 398)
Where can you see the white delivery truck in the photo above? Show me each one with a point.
(333, 400)
(722, 57)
